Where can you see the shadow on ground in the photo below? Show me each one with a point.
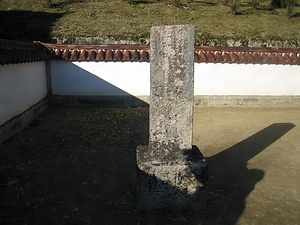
(78, 166)
(27, 25)
(231, 180)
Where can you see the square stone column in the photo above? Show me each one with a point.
(171, 172)
(171, 87)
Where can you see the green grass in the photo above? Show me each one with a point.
(120, 20)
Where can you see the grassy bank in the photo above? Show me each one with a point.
(35, 20)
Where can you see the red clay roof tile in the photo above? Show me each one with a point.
(135, 56)
(74, 55)
(274, 57)
(202, 56)
(218, 56)
(83, 54)
(100, 55)
(296, 60)
(242, 58)
(234, 57)
(226, 58)
(286, 57)
(210, 56)
(196, 57)
(109, 55)
(144, 56)
(126, 55)
(118, 56)
(66, 55)
(265, 57)
(91, 55)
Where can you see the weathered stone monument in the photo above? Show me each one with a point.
(171, 172)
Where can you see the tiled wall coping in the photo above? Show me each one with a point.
(207, 54)
(12, 52)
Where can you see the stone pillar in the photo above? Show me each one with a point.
(172, 87)
(171, 172)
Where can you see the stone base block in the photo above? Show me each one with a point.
(175, 185)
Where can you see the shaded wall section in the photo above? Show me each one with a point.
(21, 87)
(101, 83)
(100, 78)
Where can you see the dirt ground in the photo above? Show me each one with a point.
(78, 166)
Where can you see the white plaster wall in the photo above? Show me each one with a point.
(246, 79)
(21, 86)
(117, 78)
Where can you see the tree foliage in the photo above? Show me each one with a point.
(287, 4)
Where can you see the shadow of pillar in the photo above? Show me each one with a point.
(230, 179)
(229, 185)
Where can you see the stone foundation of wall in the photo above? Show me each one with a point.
(199, 101)
(18, 123)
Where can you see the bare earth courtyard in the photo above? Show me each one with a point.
(77, 165)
